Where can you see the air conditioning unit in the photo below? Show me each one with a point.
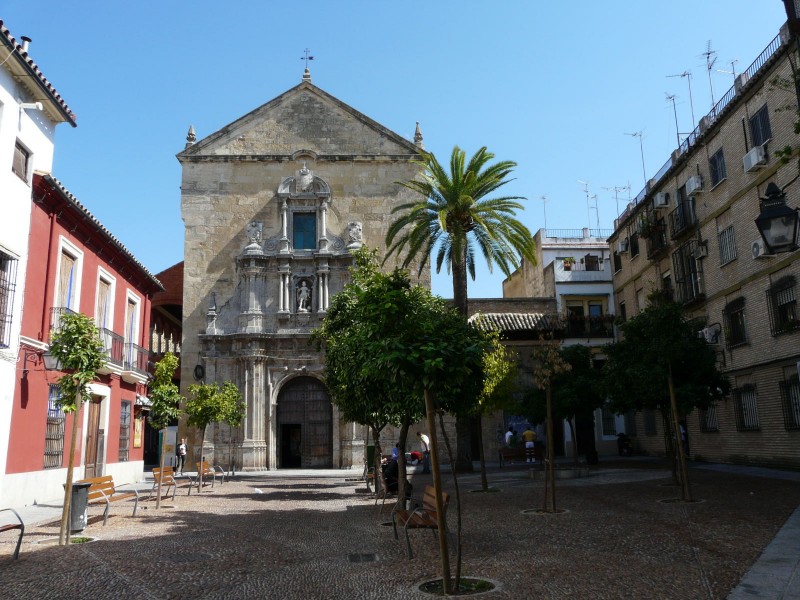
(755, 159)
(760, 249)
(694, 184)
(622, 245)
(700, 251)
(710, 334)
(661, 200)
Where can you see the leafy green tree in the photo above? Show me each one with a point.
(388, 344)
(211, 403)
(166, 400)
(577, 392)
(77, 346)
(662, 364)
(456, 218)
(361, 320)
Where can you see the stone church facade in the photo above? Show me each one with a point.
(273, 204)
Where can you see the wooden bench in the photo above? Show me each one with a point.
(102, 489)
(12, 526)
(421, 517)
(512, 455)
(167, 476)
(205, 472)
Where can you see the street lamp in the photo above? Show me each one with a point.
(777, 223)
(51, 362)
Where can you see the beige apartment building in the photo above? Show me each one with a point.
(691, 233)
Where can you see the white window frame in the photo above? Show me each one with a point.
(105, 276)
(67, 247)
(130, 297)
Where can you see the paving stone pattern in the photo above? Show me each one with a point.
(278, 536)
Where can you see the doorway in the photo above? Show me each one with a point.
(305, 425)
(95, 438)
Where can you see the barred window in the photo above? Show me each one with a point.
(782, 303)
(617, 262)
(716, 166)
(21, 160)
(8, 282)
(746, 408)
(54, 434)
(790, 398)
(708, 419)
(735, 331)
(649, 421)
(688, 272)
(727, 246)
(759, 126)
(609, 422)
(124, 430)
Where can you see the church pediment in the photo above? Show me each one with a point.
(304, 117)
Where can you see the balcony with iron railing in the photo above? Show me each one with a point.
(134, 364)
(56, 313)
(114, 347)
(588, 268)
(682, 219)
(656, 236)
(579, 326)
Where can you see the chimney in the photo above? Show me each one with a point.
(25, 43)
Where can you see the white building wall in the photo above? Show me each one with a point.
(36, 133)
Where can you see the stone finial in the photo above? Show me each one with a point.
(307, 75)
(191, 137)
(418, 138)
(211, 316)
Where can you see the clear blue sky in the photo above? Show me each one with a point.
(554, 86)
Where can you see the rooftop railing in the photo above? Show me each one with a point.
(689, 142)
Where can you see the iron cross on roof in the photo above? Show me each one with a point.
(307, 57)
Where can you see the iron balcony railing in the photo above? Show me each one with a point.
(55, 317)
(135, 358)
(590, 327)
(578, 233)
(682, 219)
(656, 238)
(113, 345)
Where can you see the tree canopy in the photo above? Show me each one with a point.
(655, 343)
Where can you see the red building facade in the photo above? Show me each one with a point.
(76, 265)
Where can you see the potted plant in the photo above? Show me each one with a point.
(568, 262)
(648, 228)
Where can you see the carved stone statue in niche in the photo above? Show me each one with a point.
(303, 297)
(254, 229)
(305, 179)
(355, 232)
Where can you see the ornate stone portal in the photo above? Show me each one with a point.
(268, 244)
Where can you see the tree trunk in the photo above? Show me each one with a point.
(457, 577)
(551, 455)
(460, 301)
(161, 464)
(63, 535)
(437, 485)
(402, 472)
(202, 458)
(686, 489)
(484, 480)
(376, 438)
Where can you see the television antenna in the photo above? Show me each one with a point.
(596, 212)
(543, 198)
(688, 76)
(641, 150)
(617, 189)
(671, 98)
(732, 71)
(585, 185)
(711, 59)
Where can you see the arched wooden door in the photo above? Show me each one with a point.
(305, 425)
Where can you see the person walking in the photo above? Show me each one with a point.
(180, 457)
(529, 437)
(425, 446)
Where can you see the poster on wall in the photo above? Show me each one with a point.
(137, 432)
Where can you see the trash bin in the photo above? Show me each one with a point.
(79, 506)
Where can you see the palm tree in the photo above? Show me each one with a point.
(455, 218)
